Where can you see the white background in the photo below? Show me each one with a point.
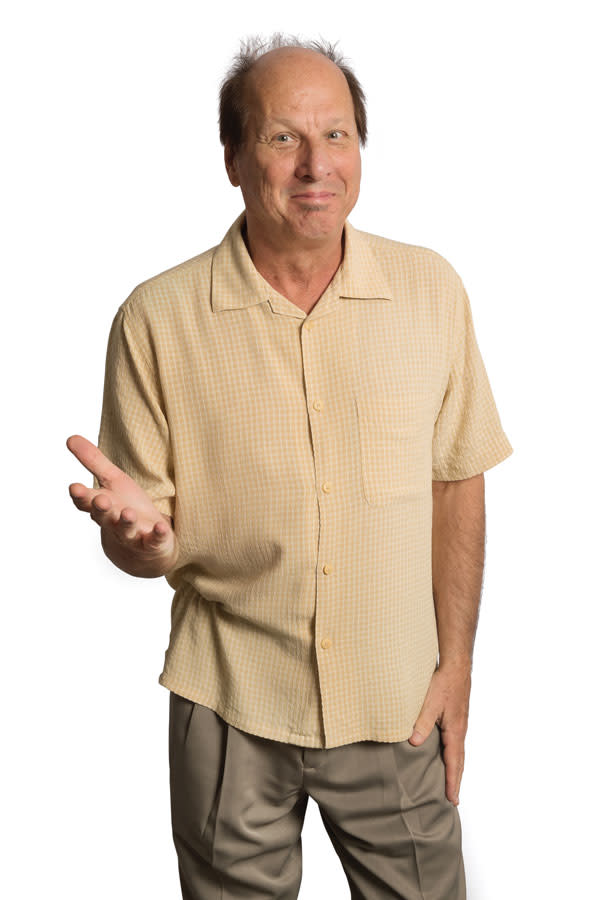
(483, 146)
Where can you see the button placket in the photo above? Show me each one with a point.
(318, 427)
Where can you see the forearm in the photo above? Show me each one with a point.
(458, 548)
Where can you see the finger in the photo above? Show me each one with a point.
(127, 524)
(92, 458)
(84, 497)
(454, 759)
(101, 509)
(81, 496)
(157, 537)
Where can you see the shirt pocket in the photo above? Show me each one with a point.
(395, 446)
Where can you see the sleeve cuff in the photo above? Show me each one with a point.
(474, 465)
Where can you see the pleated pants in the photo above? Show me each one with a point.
(238, 802)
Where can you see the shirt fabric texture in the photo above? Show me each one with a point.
(295, 453)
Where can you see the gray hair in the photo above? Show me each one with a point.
(233, 113)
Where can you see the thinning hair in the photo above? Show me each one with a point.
(233, 111)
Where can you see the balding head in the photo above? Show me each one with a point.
(256, 54)
(284, 78)
(303, 61)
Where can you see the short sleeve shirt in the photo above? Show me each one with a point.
(296, 453)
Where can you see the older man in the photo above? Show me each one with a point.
(294, 431)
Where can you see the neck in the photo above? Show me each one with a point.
(300, 273)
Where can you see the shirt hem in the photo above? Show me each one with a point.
(241, 723)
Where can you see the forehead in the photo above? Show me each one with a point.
(293, 79)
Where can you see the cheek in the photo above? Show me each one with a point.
(276, 180)
(355, 171)
(349, 170)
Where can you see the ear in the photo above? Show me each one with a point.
(231, 166)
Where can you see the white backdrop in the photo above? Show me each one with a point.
(483, 146)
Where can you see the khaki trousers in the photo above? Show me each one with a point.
(238, 803)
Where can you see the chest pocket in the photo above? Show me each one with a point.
(395, 446)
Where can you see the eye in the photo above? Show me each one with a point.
(283, 138)
(336, 134)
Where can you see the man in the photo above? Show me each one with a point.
(294, 431)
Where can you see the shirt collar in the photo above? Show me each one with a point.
(236, 283)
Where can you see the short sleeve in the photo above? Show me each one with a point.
(468, 436)
(134, 432)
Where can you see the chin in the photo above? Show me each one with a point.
(317, 224)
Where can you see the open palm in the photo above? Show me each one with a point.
(136, 536)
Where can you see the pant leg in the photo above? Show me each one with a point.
(237, 808)
(390, 822)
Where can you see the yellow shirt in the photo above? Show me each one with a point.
(296, 453)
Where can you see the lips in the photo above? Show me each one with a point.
(316, 195)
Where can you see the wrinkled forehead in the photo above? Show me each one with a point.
(296, 82)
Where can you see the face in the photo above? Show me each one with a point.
(299, 167)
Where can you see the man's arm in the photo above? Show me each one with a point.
(458, 548)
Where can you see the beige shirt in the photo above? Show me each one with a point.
(296, 454)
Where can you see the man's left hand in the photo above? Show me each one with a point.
(447, 703)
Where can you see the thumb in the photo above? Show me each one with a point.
(422, 730)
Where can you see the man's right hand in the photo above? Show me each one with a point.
(135, 535)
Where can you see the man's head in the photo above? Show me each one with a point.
(292, 120)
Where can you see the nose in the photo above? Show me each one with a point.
(313, 161)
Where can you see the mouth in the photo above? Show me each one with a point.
(314, 196)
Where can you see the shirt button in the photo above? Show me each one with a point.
(326, 568)
(309, 325)
(326, 643)
(317, 404)
(326, 487)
